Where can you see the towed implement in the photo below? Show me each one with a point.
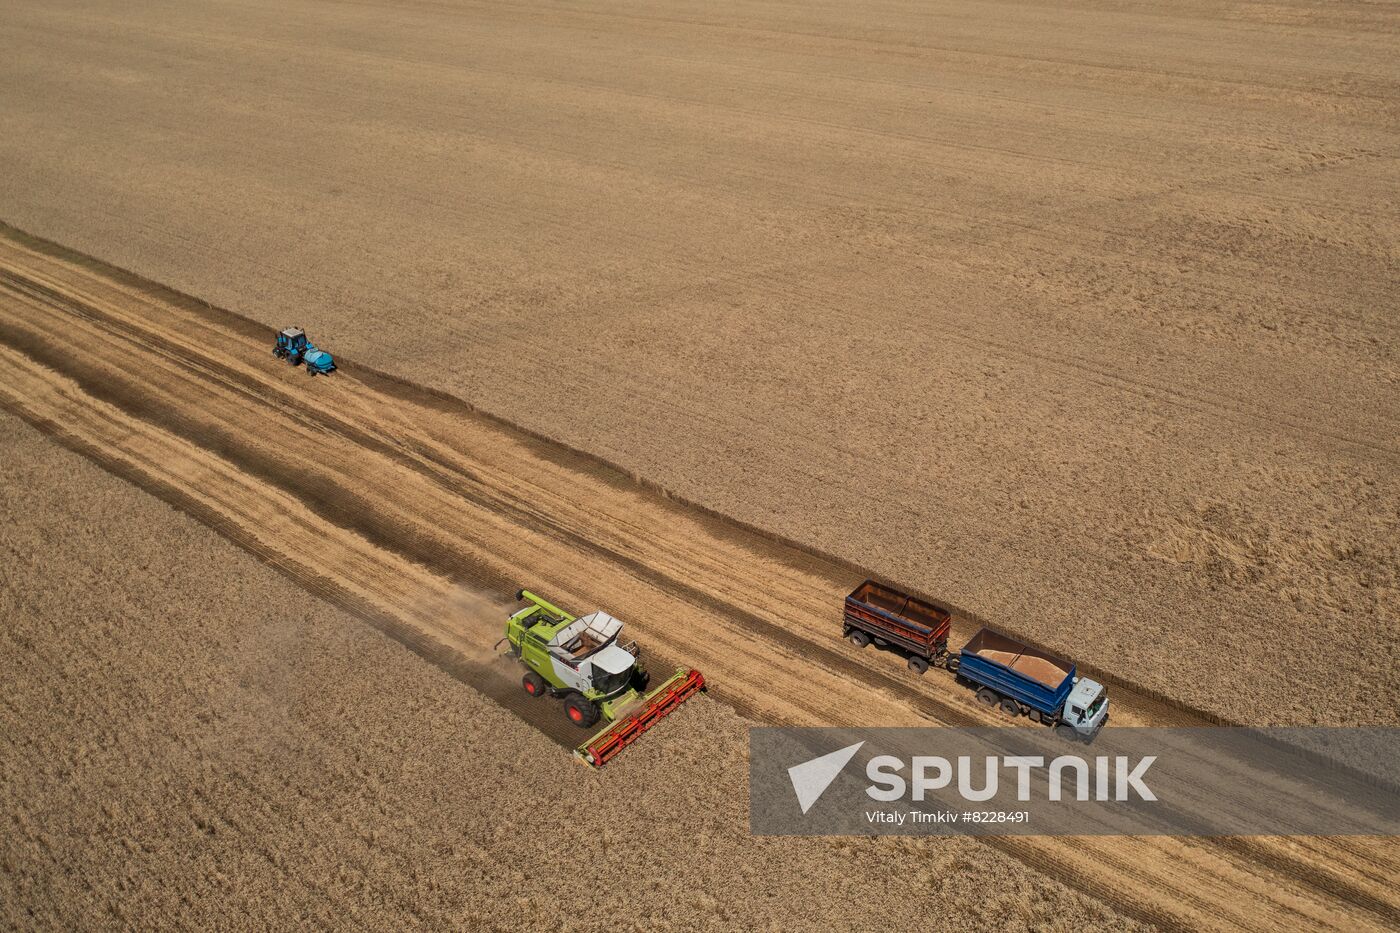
(581, 661)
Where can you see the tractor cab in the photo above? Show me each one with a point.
(292, 340)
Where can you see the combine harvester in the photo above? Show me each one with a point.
(580, 661)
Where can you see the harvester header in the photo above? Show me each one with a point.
(581, 661)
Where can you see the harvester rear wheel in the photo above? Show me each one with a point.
(533, 684)
(581, 711)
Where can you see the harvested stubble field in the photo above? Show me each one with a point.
(416, 514)
(223, 750)
(1078, 315)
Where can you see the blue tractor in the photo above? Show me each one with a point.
(293, 347)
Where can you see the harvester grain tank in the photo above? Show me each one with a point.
(581, 661)
(293, 346)
(1019, 678)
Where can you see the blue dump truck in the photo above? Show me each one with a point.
(1024, 681)
(293, 347)
(1021, 679)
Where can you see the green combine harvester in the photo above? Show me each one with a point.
(580, 661)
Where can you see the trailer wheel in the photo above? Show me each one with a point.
(1010, 707)
(581, 711)
(953, 663)
(533, 684)
(859, 639)
(918, 665)
(987, 696)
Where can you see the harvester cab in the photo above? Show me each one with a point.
(293, 346)
(581, 661)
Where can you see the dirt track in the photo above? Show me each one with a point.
(392, 504)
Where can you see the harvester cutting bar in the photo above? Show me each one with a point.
(655, 706)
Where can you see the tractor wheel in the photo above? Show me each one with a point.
(581, 711)
(858, 638)
(987, 696)
(533, 684)
(918, 665)
(1010, 707)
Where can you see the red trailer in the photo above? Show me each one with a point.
(891, 619)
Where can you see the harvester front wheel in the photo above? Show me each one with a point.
(533, 684)
(581, 711)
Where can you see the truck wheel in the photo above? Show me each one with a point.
(1067, 733)
(987, 696)
(918, 665)
(533, 684)
(859, 639)
(1010, 707)
(581, 711)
